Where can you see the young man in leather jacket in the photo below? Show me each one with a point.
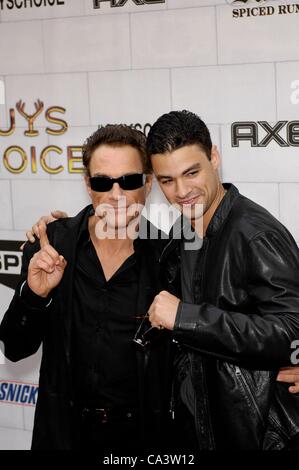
(232, 304)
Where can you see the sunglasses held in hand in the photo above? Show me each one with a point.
(146, 333)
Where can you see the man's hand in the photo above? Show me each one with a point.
(163, 310)
(290, 375)
(45, 219)
(46, 267)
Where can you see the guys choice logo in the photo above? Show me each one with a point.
(16, 158)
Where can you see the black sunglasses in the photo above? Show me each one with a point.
(127, 182)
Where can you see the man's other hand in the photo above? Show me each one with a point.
(290, 375)
(46, 219)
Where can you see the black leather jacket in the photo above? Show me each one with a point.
(240, 328)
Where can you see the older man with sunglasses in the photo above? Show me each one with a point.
(86, 283)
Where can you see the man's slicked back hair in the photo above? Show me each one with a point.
(116, 135)
(177, 129)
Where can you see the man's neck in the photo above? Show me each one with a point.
(208, 215)
(120, 243)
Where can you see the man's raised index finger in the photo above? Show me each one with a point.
(43, 235)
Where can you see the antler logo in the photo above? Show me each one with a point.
(31, 118)
(39, 106)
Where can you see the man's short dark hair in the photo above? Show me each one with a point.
(177, 129)
(116, 135)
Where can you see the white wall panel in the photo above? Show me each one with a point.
(251, 164)
(89, 43)
(25, 371)
(5, 205)
(174, 38)
(31, 201)
(29, 412)
(6, 294)
(256, 39)
(11, 416)
(265, 194)
(3, 116)
(138, 96)
(69, 91)
(288, 91)
(289, 197)
(194, 3)
(225, 94)
(12, 235)
(23, 55)
(14, 439)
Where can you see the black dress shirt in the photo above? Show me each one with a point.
(104, 324)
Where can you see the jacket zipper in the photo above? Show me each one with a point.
(248, 390)
(171, 408)
(195, 407)
(173, 239)
(164, 250)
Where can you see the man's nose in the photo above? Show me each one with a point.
(116, 191)
(182, 190)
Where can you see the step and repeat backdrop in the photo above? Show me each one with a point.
(69, 66)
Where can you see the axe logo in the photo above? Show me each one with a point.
(250, 132)
(121, 3)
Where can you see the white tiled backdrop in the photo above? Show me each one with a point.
(132, 64)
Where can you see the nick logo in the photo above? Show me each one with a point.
(121, 3)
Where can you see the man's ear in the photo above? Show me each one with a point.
(86, 179)
(215, 158)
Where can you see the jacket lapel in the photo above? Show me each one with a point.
(66, 244)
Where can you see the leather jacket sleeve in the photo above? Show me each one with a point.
(22, 327)
(260, 339)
